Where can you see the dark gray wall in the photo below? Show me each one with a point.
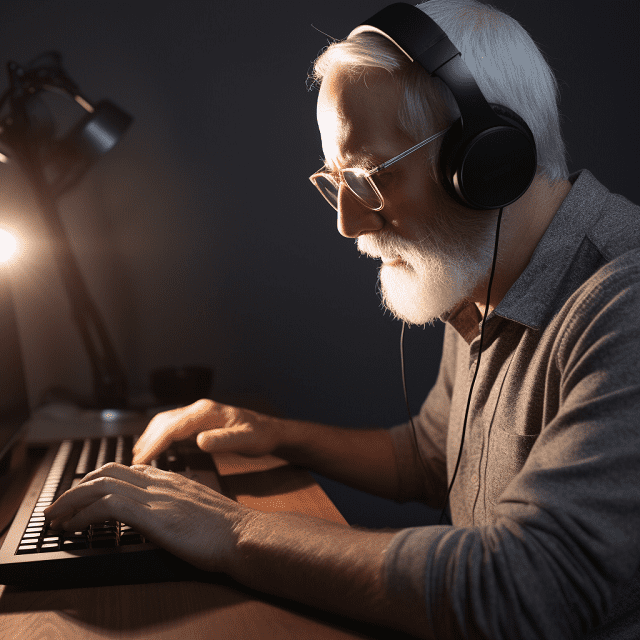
(202, 239)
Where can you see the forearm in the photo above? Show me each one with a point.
(322, 564)
(363, 459)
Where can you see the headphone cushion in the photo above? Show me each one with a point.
(492, 169)
(510, 115)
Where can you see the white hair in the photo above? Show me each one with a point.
(506, 63)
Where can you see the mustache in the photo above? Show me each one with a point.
(384, 245)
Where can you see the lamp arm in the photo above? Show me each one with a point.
(92, 136)
(109, 378)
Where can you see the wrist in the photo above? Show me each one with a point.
(292, 441)
(245, 521)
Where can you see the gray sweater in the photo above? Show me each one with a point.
(545, 541)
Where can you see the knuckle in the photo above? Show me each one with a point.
(233, 416)
(204, 403)
(102, 482)
(110, 465)
(111, 506)
(110, 498)
(147, 470)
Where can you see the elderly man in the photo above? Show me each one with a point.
(545, 507)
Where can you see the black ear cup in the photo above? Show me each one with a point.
(449, 148)
(488, 157)
(510, 115)
(490, 169)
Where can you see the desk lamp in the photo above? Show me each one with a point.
(53, 165)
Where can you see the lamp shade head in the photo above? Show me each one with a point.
(98, 132)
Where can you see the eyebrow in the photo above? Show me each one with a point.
(360, 160)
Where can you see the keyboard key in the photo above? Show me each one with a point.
(127, 453)
(102, 453)
(119, 454)
(70, 462)
(131, 537)
(34, 534)
(27, 548)
(107, 524)
(34, 528)
(105, 527)
(104, 540)
(69, 544)
(82, 468)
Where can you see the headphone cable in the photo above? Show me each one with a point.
(466, 414)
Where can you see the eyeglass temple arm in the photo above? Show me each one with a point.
(384, 165)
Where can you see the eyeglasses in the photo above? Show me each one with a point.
(359, 181)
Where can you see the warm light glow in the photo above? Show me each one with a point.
(8, 245)
(84, 104)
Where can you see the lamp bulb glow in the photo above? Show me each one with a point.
(8, 245)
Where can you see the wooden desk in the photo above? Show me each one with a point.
(221, 608)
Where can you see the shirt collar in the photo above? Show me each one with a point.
(558, 266)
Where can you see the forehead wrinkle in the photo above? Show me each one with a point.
(352, 151)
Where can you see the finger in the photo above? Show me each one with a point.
(147, 455)
(82, 495)
(152, 442)
(168, 426)
(112, 506)
(108, 479)
(135, 474)
(225, 440)
(161, 424)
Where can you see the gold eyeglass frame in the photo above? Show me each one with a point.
(364, 173)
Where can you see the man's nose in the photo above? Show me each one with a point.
(354, 219)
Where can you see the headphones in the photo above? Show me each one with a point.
(488, 157)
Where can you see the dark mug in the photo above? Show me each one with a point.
(181, 385)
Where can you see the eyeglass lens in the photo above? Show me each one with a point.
(362, 188)
(328, 189)
(357, 183)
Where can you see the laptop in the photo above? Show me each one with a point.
(106, 553)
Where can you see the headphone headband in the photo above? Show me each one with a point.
(488, 158)
(413, 32)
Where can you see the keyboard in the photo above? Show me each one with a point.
(109, 552)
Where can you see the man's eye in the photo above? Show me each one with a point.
(383, 176)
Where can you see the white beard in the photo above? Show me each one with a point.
(421, 280)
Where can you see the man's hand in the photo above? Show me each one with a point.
(219, 428)
(331, 451)
(185, 517)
